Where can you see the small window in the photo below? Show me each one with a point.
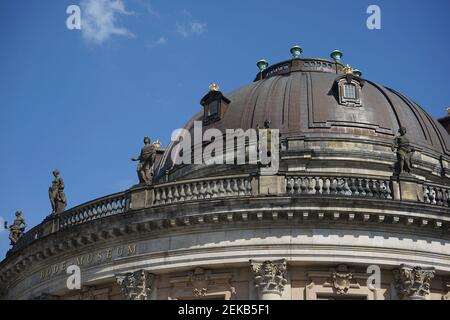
(349, 91)
(212, 109)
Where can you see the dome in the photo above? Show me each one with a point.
(300, 98)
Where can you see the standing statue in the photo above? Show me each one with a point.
(146, 160)
(404, 152)
(266, 134)
(56, 194)
(17, 229)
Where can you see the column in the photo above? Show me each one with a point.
(136, 285)
(269, 278)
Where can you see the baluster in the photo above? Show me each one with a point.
(157, 196)
(297, 185)
(347, 190)
(188, 189)
(361, 190)
(228, 187)
(214, 189)
(375, 188)
(289, 185)
(195, 191)
(367, 188)
(432, 195)
(439, 196)
(447, 203)
(318, 186)
(175, 194)
(389, 190)
(241, 187)
(235, 188)
(181, 193)
(327, 184)
(248, 186)
(339, 186)
(353, 187)
(303, 185)
(222, 190)
(333, 186)
(208, 192)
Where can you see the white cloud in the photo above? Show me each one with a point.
(190, 27)
(99, 20)
(161, 41)
(149, 8)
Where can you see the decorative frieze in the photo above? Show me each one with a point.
(269, 278)
(413, 282)
(136, 285)
(341, 279)
(202, 283)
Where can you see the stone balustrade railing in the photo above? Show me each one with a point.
(106, 206)
(437, 195)
(204, 189)
(226, 187)
(339, 186)
(103, 207)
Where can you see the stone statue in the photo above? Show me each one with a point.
(56, 194)
(17, 229)
(404, 152)
(146, 160)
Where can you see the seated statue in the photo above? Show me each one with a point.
(404, 152)
(56, 194)
(17, 229)
(146, 160)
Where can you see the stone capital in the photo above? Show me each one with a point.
(269, 278)
(136, 285)
(413, 282)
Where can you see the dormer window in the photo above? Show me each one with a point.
(348, 89)
(214, 104)
(212, 110)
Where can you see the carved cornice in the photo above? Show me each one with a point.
(269, 276)
(428, 221)
(136, 285)
(413, 282)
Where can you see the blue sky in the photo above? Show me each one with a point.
(81, 101)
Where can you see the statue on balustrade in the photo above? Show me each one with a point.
(404, 153)
(146, 160)
(17, 229)
(56, 194)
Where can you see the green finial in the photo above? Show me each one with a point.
(262, 65)
(336, 55)
(357, 73)
(296, 51)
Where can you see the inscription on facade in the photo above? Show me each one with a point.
(89, 259)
